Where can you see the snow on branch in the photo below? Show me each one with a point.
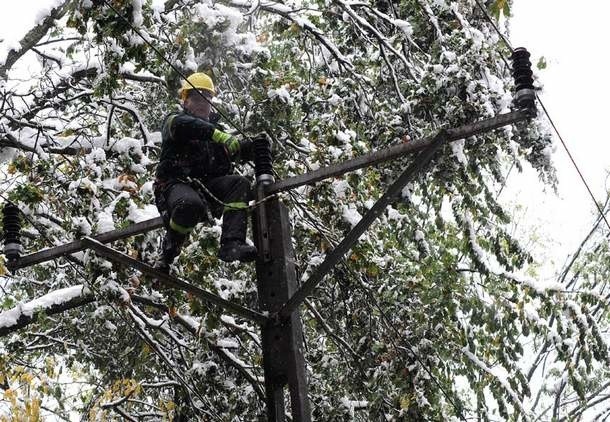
(501, 376)
(383, 41)
(432, 18)
(193, 327)
(290, 14)
(8, 140)
(223, 353)
(69, 80)
(33, 37)
(52, 303)
(537, 285)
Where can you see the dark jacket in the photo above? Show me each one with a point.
(193, 147)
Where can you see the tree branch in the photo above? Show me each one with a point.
(33, 37)
(52, 303)
(226, 356)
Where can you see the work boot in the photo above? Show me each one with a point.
(233, 246)
(235, 250)
(170, 249)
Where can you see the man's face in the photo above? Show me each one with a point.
(197, 105)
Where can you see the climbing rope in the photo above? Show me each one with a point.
(251, 205)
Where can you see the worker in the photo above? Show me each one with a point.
(194, 177)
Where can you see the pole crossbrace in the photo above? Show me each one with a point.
(81, 245)
(367, 220)
(397, 151)
(174, 282)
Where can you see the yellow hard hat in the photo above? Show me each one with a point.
(198, 80)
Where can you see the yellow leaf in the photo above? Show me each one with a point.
(10, 396)
(27, 378)
(172, 311)
(262, 38)
(49, 364)
(324, 245)
(134, 281)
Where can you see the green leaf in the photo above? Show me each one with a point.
(500, 6)
(541, 63)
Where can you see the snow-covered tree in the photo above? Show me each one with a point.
(428, 318)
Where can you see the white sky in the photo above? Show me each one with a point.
(573, 39)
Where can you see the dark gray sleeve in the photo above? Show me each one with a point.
(181, 125)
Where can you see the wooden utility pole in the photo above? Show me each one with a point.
(283, 361)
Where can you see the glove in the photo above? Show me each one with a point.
(246, 150)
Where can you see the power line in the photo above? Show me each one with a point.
(565, 146)
(601, 212)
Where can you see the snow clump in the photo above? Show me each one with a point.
(404, 26)
(105, 222)
(351, 215)
(82, 225)
(457, 148)
(340, 187)
(138, 19)
(281, 94)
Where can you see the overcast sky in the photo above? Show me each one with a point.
(573, 39)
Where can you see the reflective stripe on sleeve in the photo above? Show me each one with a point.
(224, 138)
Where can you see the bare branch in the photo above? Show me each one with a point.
(8, 140)
(46, 56)
(224, 354)
(134, 114)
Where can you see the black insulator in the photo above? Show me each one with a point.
(263, 166)
(524, 81)
(12, 226)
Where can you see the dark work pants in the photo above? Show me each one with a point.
(186, 207)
